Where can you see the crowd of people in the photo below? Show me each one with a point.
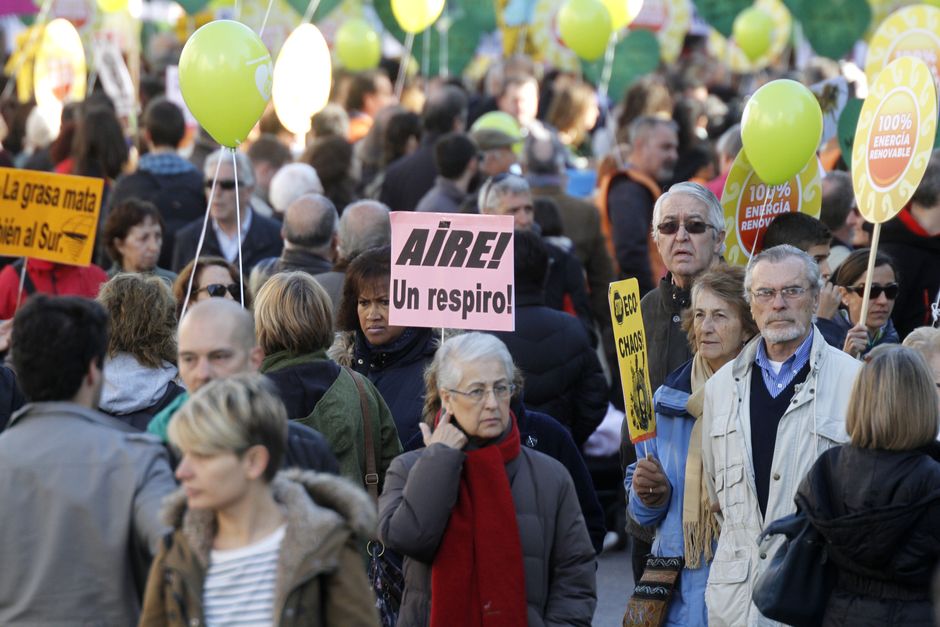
(216, 423)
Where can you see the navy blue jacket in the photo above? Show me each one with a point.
(11, 399)
(836, 328)
(263, 240)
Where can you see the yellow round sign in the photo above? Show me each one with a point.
(894, 138)
(750, 205)
(726, 50)
(913, 31)
(669, 20)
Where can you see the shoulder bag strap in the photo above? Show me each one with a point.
(372, 475)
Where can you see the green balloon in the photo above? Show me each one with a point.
(325, 7)
(225, 78)
(720, 14)
(635, 55)
(193, 7)
(469, 21)
(831, 26)
(845, 131)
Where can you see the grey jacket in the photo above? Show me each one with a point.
(81, 495)
(420, 492)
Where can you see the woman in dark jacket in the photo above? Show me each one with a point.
(293, 322)
(394, 358)
(140, 374)
(486, 525)
(844, 330)
(877, 500)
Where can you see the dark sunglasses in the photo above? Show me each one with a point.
(228, 185)
(891, 290)
(217, 290)
(695, 227)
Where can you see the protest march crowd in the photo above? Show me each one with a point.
(216, 422)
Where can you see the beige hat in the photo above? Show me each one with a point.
(491, 139)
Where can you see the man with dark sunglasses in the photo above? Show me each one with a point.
(260, 236)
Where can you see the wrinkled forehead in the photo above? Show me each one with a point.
(786, 273)
(683, 206)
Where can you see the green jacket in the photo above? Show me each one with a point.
(337, 414)
(161, 421)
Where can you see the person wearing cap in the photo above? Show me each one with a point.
(496, 150)
(455, 155)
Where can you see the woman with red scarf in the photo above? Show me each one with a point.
(491, 531)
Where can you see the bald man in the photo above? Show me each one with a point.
(310, 236)
(217, 340)
(364, 225)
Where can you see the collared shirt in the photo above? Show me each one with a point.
(777, 380)
(165, 163)
(228, 244)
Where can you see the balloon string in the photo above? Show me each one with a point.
(426, 59)
(19, 294)
(443, 54)
(311, 10)
(264, 22)
(609, 55)
(238, 224)
(202, 239)
(38, 28)
(402, 68)
(760, 220)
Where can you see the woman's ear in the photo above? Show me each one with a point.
(844, 296)
(255, 461)
(446, 398)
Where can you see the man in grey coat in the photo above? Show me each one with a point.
(80, 491)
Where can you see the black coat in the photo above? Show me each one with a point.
(397, 371)
(409, 178)
(140, 419)
(563, 376)
(880, 512)
(11, 398)
(917, 259)
(262, 240)
(180, 198)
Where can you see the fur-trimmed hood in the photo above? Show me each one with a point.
(316, 506)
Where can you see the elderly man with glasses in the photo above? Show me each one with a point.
(767, 416)
(688, 230)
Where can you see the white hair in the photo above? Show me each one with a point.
(779, 254)
(493, 190)
(459, 350)
(290, 183)
(714, 214)
(246, 173)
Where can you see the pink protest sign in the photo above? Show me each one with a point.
(452, 270)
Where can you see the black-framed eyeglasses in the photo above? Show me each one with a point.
(217, 290)
(228, 184)
(476, 395)
(694, 227)
(890, 290)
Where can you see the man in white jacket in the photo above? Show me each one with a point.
(768, 415)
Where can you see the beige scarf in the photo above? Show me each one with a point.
(699, 526)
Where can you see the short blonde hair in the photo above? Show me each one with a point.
(230, 416)
(293, 313)
(925, 340)
(894, 401)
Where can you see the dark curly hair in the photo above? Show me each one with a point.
(123, 218)
(143, 318)
(369, 267)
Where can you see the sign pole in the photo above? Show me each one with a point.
(872, 253)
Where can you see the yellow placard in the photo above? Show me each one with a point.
(49, 216)
(750, 204)
(894, 138)
(630, 337)
(912, 31)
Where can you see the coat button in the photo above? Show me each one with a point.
(289, 612)
(776, 476)
(676, 318)
(763, 555)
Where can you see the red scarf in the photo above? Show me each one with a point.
(477, 578)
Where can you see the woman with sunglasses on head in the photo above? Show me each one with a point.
(215, 278)
(845, 330)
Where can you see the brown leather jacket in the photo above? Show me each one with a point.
(321, 579)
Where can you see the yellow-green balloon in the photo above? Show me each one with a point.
(112, 6)
(225, 77)
(753, 32)
(622, 12)
(780, 130)
(357, 45)
(585, 27)
(415, 15)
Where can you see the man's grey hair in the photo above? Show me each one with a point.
(779, 254)
(310, 221)
(643, 125)
(730, 144)
(467, 348)
(493, 191)
(927, 194)
(246, 173)
(714, 214)
(364, 224)
(290, 183)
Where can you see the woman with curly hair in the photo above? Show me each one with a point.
(140, 371)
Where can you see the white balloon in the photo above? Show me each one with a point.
(301, 78)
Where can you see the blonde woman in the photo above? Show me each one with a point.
(251, 545)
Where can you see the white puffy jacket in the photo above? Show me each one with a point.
(813, 422)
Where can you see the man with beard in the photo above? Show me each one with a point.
(768, 415)
(627, 199)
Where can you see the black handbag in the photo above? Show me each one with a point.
(795, 587)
